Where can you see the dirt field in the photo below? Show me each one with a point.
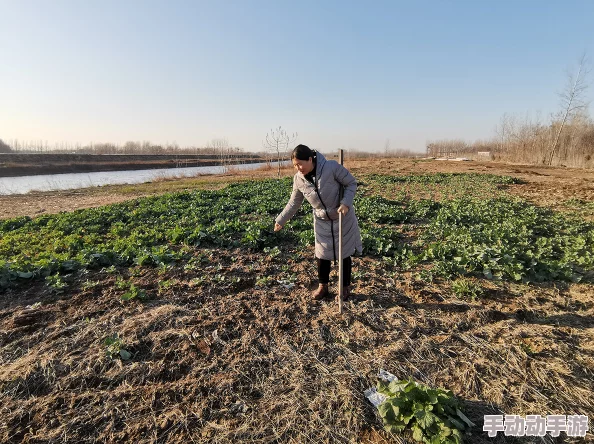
(229, 351)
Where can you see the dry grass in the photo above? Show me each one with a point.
(222, 363)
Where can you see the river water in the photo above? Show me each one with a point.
(67, 181)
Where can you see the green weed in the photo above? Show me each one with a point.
(134, 293)
(466, 289)
(114, 348)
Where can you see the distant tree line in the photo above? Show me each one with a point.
(566, 139)
(530, 141)
(360, 154)
(569, 143)
(215, 147)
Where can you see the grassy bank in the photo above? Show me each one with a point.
(11, 170)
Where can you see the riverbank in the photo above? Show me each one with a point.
(15, 165)
(36, 203)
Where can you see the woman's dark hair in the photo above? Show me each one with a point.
(302, 152)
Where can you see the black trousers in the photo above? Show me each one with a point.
(324, 270)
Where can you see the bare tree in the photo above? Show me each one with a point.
(220, 148)
(572, 101)
(447, 148)
(277, 140)
(503, 131)
(131, 147)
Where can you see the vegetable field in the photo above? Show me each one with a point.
(183, 317)
(471, 230)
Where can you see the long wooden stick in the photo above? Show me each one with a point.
(340, 281)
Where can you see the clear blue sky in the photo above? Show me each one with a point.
(343, 74)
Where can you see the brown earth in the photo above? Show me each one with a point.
(229, 348)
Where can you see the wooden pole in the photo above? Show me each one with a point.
(340, 281)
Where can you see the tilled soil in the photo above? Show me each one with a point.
(241, 359)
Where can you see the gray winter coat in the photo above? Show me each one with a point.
(329, 176)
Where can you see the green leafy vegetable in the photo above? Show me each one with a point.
(432, 415)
